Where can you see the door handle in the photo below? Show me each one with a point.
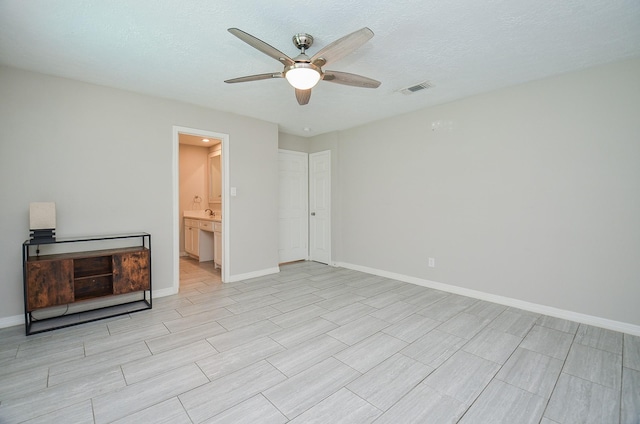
(313, 214)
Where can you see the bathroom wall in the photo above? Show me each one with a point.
(193, 181)
(193, 177)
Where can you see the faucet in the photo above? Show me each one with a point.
(211, 213)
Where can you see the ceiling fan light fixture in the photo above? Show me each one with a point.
(304, 72)
(302, 77)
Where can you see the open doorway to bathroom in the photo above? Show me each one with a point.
(200, 212)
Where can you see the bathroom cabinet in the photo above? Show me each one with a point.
(198, 239)
(85, 271)
(191, 237)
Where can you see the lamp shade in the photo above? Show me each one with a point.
(302, 78)
(42, 215)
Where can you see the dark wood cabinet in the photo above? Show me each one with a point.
(131, 272)
(68, 278)
(49, 283)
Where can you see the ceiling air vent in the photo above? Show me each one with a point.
(415, 88)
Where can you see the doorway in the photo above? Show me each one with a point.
(304, 206)
(176, 215)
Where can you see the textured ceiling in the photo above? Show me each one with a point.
(182, 50)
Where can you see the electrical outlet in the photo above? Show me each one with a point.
(432, 262)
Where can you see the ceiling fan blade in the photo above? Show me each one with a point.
(342, 47)
(255, 77)
(303, 96)
(350, 79)
(265, 48)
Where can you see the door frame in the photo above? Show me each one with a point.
(226, 217)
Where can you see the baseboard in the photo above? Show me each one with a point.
(608, 324)
(254, 274)
(11, 321)
(164, 292)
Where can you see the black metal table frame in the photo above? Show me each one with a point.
(145, 241)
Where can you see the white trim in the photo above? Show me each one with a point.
(226, 216)
(253, 274)
(12, 321)
(608, 324)
(169, 291)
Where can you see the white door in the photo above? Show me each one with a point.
(320, 207)
(293, 204)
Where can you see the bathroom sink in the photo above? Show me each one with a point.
(199, 214)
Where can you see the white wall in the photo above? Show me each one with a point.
(293, 142)
(534, 194)
(105, 157)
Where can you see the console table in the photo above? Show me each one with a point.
(119, 276)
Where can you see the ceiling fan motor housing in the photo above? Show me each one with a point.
(302, 41)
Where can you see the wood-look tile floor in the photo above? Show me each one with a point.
(324, 345)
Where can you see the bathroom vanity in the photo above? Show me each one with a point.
(203, 236)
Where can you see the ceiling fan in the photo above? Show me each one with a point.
(304, 72)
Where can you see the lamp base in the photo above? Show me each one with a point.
(43, 236)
